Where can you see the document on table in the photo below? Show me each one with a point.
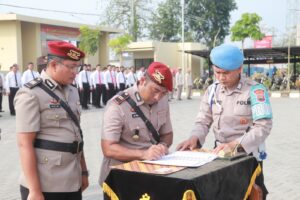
(184, 159)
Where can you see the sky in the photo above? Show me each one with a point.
(273, 12)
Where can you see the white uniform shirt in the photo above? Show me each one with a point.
(120, 79)
(29, 75)
(13, 80)
(83, 77)
(188, 80)
(140, 74)
(109, 77)
(131, 79)
(179, 79)
(97, 77)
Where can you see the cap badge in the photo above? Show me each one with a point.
(158, 76)
(73, 54)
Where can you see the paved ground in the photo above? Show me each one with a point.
(281, 169)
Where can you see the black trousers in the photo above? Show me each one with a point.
(122, 87)
(111, 91)
(11, 98)
(54, 195)
(85, 95)
(100, 88)
(104, 95)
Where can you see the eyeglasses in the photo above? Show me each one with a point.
(72, 68)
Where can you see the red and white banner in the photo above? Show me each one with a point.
(266, 42)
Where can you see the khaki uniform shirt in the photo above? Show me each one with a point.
(231, 116)
(120, 123)
(37, 111)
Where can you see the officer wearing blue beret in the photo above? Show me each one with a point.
(236, 108)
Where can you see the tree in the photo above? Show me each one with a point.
(209, 20)
(247, 27)
(119, 44)
(89, 39)
(206, 21)
(131, 16)
(166, 22)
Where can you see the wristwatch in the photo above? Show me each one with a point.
(85, 173)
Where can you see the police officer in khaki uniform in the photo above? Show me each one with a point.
(125, 137)
(237, 109)
(50, 143)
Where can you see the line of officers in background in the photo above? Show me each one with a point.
(100, 84)
(95, 85)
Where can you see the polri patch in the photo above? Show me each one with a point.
(260, 103)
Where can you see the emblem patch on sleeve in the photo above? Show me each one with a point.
(260, 103)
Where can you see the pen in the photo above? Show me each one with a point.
(236, 146)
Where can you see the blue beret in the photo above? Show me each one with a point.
(227, 57)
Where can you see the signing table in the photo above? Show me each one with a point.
(221, 179)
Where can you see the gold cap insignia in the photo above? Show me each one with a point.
(73, 54)
(158, 76)
(145, 197)
(189, 195)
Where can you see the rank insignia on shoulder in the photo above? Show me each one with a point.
(33, 83)
(121, 98)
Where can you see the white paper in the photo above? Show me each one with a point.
(184, 159)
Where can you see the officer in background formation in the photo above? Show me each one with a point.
(131, 77)
(189, 84)
(13, 83)
(110, 82)
(84, 86)
(238, 109)
(97, 79)
(121, 79)
(125, 136)
(2, 87)
(48, 134)
(29, 74)
(179, 83)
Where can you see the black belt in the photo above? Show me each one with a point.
(73, 148)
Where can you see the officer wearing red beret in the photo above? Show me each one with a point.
(48, 131)
(125, 135)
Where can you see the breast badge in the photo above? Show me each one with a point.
(136, 134)
(243, 120)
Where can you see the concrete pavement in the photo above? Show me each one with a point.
(282, 172)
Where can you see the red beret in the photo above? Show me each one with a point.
(160, 74)
(65, 50)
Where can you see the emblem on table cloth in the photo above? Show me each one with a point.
(189, 195)
(145, 197)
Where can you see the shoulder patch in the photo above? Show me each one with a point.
(260, 103)
(121, 98)
(33, 83)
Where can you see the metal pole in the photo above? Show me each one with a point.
(182, 37)
(288, 69)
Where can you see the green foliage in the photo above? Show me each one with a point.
(206, 21)
(119, 44)
(166, 22)
(247, 26)
(119, 13)
(209, 20)
(89, 40)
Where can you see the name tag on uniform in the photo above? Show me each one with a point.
(54, 106)
(135, 115)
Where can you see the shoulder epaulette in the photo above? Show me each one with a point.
(33, 83)
(121, 98)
